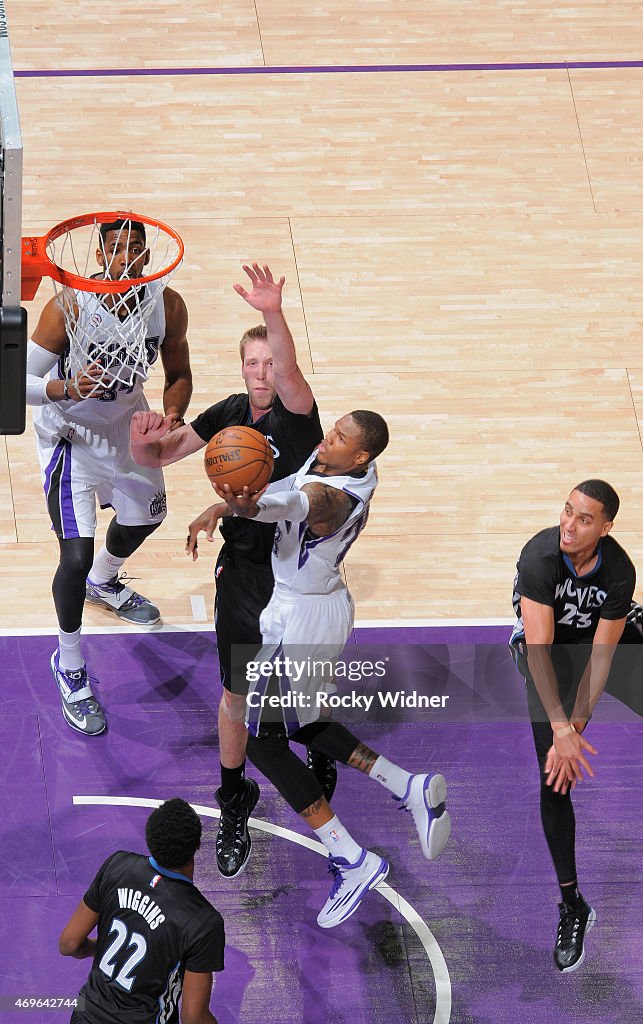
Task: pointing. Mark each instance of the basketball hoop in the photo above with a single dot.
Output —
(106, 315)
(39, 255)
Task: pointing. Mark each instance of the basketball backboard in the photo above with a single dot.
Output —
(13, 319)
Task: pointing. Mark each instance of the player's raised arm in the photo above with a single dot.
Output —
(266, 296)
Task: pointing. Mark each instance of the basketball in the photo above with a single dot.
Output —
(240, 457)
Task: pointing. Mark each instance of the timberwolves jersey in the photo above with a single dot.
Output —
(153, 925)
(98, 322)
(310, 565)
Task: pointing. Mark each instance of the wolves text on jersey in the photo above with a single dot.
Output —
(579, 603)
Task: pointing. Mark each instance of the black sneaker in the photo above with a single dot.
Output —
(325, 771)
(569, 951)
(233, 843)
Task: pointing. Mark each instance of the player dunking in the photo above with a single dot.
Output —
(280, 404)
(82, 436)
(320, 511)
(573, 595)
(159, 939)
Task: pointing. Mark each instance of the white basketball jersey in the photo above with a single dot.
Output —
(96, 321)
(307, 564)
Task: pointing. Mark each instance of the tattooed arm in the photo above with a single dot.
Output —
(323, 508)
(329, 508)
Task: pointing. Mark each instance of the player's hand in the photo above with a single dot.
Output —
(566, 759)
(89, 384)
(243, 504)
(205, 523)
(266, 292)
(560, 777)
(571, 746)
(176, 420)
(149, 427)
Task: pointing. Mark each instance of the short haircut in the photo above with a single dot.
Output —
(124, 226)
(173, 833)
(259, 333)
(374, 431)
(603, 492)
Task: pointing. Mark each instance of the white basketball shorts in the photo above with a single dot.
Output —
(303, 636)
(81, 465)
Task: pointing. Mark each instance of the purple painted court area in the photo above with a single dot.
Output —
(489, 901)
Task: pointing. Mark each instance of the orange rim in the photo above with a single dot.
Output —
(36, 264)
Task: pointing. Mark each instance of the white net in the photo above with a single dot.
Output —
(108, 333)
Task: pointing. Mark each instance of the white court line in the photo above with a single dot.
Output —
(199, 609)
(208, 627)
(418, 924)
(397, 623)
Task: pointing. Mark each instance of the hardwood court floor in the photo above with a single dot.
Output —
(462, 247)
(455, 199)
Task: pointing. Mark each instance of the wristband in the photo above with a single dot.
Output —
(66, 390)
(565, 731)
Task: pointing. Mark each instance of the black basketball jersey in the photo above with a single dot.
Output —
(153, 925)
(546, 575)
(292, 438)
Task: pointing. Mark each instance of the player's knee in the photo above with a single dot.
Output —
(76, 557)
(233, 706)
(122, 541)
(275, 743)
(267, 751)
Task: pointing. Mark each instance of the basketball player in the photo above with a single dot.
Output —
(279, 404)
(320, 511)
(159, 939)
(82, 437)
(573, 595)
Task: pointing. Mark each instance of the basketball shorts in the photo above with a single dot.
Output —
(81, 465)
(243, 589)
(303, 637)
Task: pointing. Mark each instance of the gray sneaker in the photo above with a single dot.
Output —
(119, 598)
(81, 710)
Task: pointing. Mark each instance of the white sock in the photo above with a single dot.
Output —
(390, 775)
(69, 646)
(338, 841)
(105, 566)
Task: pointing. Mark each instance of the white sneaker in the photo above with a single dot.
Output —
(425, 799)
(80, 708)
(128, 605)
(351, 883)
